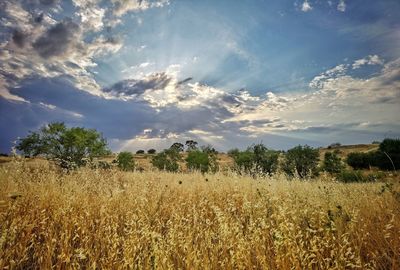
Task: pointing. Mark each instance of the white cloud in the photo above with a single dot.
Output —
(91, 14)
(306, 6)
(123, 6)
(369, 60)
(341, 6)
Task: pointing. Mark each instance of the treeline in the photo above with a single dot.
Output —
(74, 147)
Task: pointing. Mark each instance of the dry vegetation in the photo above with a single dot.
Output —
(98, 219)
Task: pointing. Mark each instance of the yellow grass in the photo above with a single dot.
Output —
(117, 220)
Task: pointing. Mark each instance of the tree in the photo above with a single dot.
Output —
(359, 160)
(151, 151)
(191, 145)
(68, 147)
(177, 147)
(302, 160)
(167, 160)
(266, 161)
(332, 162)
(334, 145)
(125, 161)
(256, 160)
(140, 152)
(388, 156)
(204, 160)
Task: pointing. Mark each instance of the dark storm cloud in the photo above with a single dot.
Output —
(134, 87)
(57, 40)
(39, 18)
(19, 38)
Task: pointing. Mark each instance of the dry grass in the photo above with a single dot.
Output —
(152, 220)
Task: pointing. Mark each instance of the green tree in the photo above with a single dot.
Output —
(191, 145)
(204, 160)
(359, 160)
(302, 160)
(332, 163)
(68, 147)
(256, 160)
(167, 160)
(177, 147)
(125, 161)
(388, 156)
(151, 151)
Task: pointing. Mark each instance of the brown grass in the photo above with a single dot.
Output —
(153, 220)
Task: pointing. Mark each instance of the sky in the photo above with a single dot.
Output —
(148, 73)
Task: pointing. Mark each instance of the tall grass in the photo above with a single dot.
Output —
(97, 219)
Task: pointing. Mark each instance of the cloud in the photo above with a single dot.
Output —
(91, 15)
(19, 38)
(50, 48)
(123, 6)
(58, 40)
(341, 6)
(369, 60)
(305, 7)
(162, 108)
(131, 88)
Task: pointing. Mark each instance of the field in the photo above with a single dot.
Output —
(95, 219)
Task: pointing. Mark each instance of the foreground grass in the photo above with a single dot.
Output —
(116, 220)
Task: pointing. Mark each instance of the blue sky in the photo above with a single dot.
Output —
(229, 73)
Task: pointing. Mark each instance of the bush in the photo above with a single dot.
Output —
(68, 147)
(244, 161)
(302, 160)
(204, 160)
(125, 161)
(167, 160)
(151, 151)
(388, 156)
(358, 160)
(351, 176)
(332, 163)
(257, 159)
(140, 152)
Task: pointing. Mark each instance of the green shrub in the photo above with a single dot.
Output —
(201, 160)
(332, 163)
(351, 176)
(257, 159)
(388, 156)
(359, 160)
(125, 161)
(375, 176)
(167, 160)
(302, 160)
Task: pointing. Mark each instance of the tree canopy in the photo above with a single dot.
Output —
(69, 147)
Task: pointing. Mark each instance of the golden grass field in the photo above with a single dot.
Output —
(96, 219)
